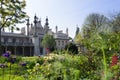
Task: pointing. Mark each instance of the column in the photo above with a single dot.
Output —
(36, 41)
(5, 48)
(23, 50)
(44, 51)
(36, 46)
(15, 50)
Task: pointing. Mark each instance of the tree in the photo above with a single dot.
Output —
(11, 12)
(94, 23)
(94, 27)
(48, 42)
(115, 22)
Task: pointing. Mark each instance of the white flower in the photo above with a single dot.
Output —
(37, 64)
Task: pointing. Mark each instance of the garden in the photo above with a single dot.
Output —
(100, 59)
(59, 66)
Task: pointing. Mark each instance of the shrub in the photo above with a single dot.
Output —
(72, 48)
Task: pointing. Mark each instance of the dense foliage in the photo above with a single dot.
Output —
(11, 12)
(71, 48)
(60, 67)
(101, 37)
(49, 42)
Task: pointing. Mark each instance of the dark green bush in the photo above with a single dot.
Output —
(71, 48)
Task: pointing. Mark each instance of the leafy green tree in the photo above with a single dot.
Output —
(49, 42)
(94, 28)
(94, 23)
(115, 22)
(12, 12)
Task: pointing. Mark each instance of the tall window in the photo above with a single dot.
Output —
(62, 42)
(58, 43)
(30, 40)
(6, 39)
(14, 40)
(2, 39)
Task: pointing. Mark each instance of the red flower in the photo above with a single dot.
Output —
(114, 60)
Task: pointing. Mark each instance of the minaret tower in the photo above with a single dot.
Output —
(46, 21)
(67, 31)
(35, 25)
(28, 26)
(36, 41)
(46, 27)
(56, 28)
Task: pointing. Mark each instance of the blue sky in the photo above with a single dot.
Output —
(69, 13)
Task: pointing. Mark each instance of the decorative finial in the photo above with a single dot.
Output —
(31, 25)
(56, 29)
(35, 22)
(28, 26)
(28, 23)
(46, 21)
(35, 19)
(67, 31)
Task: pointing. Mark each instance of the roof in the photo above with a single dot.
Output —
(12, 34)
(60, 35)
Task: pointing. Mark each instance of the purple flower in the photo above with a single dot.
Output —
(23, 64)
(6, 55)
(12, 59)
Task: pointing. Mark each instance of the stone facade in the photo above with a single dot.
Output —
(30, 44)
(18, 44)
(61, 39)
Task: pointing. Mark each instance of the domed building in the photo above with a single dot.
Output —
(30, 44)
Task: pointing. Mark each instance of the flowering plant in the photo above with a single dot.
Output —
(23, 64)
(114, 60)
(7, 55)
